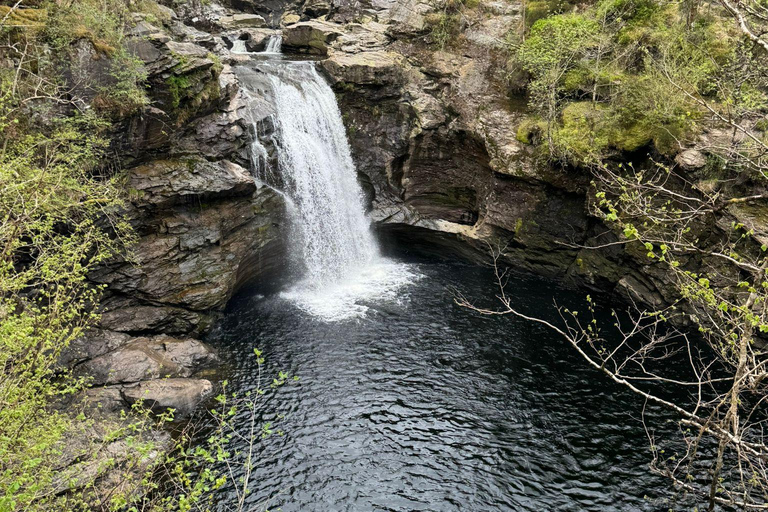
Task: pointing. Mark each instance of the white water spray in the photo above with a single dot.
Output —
(274, 44)
(342, 269)
(238, 46)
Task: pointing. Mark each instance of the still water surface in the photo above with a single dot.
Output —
(421, 405)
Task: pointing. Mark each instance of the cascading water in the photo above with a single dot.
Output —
(273, 46)
(238, 46)
(342, 271)
(275, 43)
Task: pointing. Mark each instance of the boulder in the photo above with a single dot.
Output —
(188, 34)
(147, 358)
(94, 343)
(312, 37)
(365, 68)
(255, 38)
(290, 18)
(691, 159)
(242, 21)
(181, 395)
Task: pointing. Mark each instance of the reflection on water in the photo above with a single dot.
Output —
(421, 405)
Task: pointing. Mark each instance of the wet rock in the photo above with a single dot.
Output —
(204, 228)
(182, 395)
(255, 38)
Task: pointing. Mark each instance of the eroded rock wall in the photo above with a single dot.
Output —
(205, 226)
(433, 134)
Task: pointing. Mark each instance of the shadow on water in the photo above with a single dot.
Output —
(423, 405)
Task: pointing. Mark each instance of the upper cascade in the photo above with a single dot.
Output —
(274, 44)
(335, 253)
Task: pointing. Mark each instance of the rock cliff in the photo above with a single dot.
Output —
(433, 132)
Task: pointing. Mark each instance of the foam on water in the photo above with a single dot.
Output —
(356, 295)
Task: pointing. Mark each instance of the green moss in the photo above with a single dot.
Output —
(176, 87)
(588, 132)
(345, 86)
(209, 93)
(536, 10)
(530, 130)
(443, 27)
(217, 65)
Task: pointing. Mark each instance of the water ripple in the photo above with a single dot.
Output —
(427, 407)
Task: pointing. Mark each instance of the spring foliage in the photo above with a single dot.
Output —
(59, 207)
(60, 217)
(621, 75)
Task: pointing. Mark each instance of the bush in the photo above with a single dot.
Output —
(445, 22)
(624, 73)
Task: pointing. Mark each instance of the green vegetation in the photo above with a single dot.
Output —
(534, 10)
(66, 77)
(446, 21)
(684, 80)
(59, 205)
(623, 74)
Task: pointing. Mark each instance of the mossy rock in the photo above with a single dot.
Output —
(536, 10)
(589, 131)
(24, 18)
(530, 130)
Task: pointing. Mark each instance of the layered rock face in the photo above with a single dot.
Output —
(205, 226)
(433, 133)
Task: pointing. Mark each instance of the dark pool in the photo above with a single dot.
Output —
(425, 406)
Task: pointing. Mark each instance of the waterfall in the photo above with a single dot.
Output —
(275, 43)
(238, 46)
(332, 246)
(273, 46)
